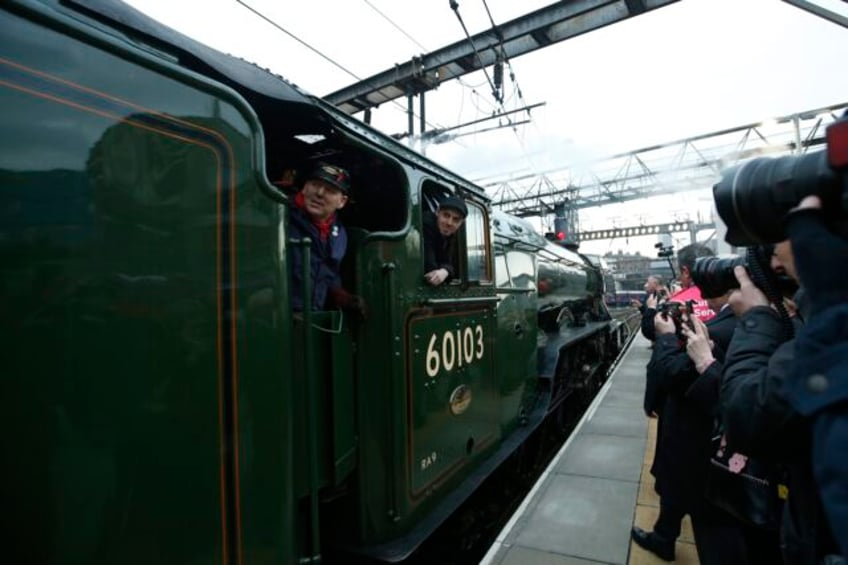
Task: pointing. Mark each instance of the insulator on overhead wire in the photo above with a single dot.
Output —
(498, 74)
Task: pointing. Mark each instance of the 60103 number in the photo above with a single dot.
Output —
(454, 348)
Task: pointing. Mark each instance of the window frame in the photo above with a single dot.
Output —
(432, 192)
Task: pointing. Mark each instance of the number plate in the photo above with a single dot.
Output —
(453, 400)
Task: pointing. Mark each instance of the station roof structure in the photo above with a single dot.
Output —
(562, 20)
(682, 165)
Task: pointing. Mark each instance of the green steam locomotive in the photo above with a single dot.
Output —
(164, 405)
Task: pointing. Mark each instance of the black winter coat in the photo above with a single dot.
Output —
(819, 391)
(439, 250)
(687, 417)
(647, 323)
(325, 260)
(760, 422)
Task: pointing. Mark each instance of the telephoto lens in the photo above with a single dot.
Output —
(714, 275)
(754, 198)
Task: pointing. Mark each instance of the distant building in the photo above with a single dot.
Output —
(626, 263)
(632, 269)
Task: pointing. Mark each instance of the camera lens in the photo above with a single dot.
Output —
(754, 197)
(714, 275)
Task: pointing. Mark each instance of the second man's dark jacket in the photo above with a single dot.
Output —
(439, 251)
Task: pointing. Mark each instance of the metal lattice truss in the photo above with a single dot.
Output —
(633, 231)
(679, 166)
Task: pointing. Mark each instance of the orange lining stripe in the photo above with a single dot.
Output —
(233, 241)
(128, 104)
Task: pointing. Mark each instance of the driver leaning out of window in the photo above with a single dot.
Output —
(439, 234)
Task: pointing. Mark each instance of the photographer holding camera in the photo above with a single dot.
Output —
(655, 294)
(655, 391)
(680, 292)
(653, 286)
(766, 391)
(758, 420)
(684, 435)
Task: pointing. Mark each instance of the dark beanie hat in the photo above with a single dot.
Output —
(456, 203)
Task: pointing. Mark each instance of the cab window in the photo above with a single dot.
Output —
(473, 255)
(477, 245)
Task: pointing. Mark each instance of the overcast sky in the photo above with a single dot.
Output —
(693, 67)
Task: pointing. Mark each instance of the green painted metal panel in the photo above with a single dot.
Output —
(144, 295)
(453, 400)
(516, 357)
(331, 410)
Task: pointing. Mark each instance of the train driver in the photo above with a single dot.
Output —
(313, 215)
(439, 240)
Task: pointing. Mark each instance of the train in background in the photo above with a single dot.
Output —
(624, 298)
(165, 405)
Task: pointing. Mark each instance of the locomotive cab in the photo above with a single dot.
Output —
(416, 378)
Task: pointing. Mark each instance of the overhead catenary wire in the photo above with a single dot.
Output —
(516, 87)
(319, 53)
(396, 26)
(423, 48)
(494, 108)
(498, 97)
(503, 51)
(296, 38)
(512, 77)
(455, 7)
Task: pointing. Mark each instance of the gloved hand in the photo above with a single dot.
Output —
(351, 303)
(357, 306)
(821, 257)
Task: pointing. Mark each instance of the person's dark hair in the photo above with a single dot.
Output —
(686, 255)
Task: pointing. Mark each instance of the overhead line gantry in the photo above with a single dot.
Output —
(541, 28)
(687, 164)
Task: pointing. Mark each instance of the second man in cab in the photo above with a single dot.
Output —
(439, 240)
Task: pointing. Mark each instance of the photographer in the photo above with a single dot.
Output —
(766, 393)
(655, 293)
(685, 261)
(683, 439)
(750, 498)
(758, 419)
(653, 286)
(818, 384)
(686, 257)
(649, 311)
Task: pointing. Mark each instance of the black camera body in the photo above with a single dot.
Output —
(675, 311)
(664, 251)
(754, 198)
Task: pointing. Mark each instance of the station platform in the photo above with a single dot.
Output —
(597, 487)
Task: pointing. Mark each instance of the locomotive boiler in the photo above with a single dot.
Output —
(166, 403)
